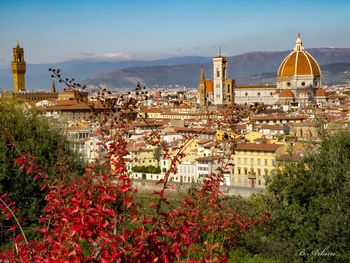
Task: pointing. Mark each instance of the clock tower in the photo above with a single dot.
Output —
(18, 66)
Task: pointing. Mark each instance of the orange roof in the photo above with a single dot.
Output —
(209, 85)
(320, 93)
(287, 93)
(258, 147)
(299, 63)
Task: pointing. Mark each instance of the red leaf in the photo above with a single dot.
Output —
(152, 205)
(13, 227)
(77, 227)
(128, 199)
(9, 216)
(133, 213)
(134, 220)
(165, 259)
(185, 229)
(137, 231)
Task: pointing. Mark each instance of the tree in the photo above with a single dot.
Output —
(309, 205)
(157, 153)
(23, 130)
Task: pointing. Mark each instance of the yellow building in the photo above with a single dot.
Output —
(18, 66)
(252, 162)
(222, 135)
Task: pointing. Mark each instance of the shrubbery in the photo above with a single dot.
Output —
(146, 169)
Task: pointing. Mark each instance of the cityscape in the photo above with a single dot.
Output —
(219, 156)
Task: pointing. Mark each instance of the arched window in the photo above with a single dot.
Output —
(218, 74)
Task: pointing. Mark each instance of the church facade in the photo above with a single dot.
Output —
(298, 84)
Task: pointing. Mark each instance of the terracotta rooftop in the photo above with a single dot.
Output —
(287, 93)
(320, 93)
(258, 147)
(299, 63)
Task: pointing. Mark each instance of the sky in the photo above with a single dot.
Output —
(55, 31)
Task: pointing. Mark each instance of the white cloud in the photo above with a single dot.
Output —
(108, 56)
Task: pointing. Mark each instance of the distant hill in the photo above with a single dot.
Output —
(336, 73)
(38, 77)
(248, 68)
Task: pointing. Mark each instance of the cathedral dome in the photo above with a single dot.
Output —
(299, 63)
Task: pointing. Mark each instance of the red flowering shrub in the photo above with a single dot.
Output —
(99, 219)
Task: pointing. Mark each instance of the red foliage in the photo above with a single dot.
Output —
(99, 219)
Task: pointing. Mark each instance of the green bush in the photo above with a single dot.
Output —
(146, 169)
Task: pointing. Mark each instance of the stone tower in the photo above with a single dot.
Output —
(220, 73)
(230, 94)
(202, 91)
(18, 66)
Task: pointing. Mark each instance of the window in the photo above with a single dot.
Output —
(259, 162)
(303, 84)
(239, 171)
(251, 161)
(288, 84)
(273, 162)
(259, 172)
(265, 153)
(258, 93)
(245, 171)
(266, 162)
(239, 160)
(245, 161)
(259, 182)
(266, 172)
(218, 74)
(246, 94)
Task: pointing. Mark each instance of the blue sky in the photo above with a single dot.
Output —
(54, 31)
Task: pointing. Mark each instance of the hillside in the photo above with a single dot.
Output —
(248, 68)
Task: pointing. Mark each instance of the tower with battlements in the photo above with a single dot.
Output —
(18, 66)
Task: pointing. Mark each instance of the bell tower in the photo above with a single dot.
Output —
(202, 91)
(220, 73)
(18, 66)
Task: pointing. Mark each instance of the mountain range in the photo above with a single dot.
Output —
(248, 69)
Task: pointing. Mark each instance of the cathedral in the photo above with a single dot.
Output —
(299, 84)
